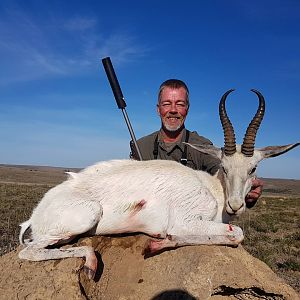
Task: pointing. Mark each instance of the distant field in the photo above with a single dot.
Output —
(33, 174)
(271, 227)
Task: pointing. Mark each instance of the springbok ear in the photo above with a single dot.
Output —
(71, 175)
(207, 149)
(272, 151)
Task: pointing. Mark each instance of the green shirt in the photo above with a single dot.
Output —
(174, 151)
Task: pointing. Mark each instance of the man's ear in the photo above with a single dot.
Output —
(207, 149)
(157, 109)
(272, 151)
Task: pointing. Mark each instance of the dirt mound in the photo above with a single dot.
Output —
(195, 272)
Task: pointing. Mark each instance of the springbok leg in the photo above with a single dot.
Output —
(61, 230)
(206, 233)
(34, 253)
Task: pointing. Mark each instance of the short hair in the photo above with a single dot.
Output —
(175, 84)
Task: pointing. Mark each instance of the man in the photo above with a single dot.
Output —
(167, 143)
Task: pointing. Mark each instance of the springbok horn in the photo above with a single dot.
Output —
(229, 137)
(249, 140)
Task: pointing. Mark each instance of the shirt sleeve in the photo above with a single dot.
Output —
(210, 164)
(203, 161)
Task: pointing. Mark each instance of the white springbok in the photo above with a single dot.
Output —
(164, 199)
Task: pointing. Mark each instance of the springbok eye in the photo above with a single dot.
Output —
(225, 172)
(252, 171)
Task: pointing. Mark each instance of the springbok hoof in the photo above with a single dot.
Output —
(147, 248)
(89, 272)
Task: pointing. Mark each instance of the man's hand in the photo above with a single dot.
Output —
(255, 192)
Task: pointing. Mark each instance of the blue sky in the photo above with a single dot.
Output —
(57, 107)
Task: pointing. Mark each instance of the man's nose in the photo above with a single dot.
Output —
(173, 107)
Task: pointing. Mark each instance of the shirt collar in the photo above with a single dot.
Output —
(178, 144)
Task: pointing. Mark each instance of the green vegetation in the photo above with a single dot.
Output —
(271, 228)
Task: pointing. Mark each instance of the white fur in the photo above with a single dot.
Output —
(160, 198)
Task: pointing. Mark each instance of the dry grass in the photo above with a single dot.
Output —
(271, 227)
(16, 204)
(272, 234)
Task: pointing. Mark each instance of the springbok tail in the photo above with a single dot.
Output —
(24, 226)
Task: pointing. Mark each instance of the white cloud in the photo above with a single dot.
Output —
(121, 48)
(32, 49)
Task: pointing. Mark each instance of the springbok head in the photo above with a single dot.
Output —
(238, 162)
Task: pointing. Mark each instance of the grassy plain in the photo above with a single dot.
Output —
(271, 228)
(272, 234)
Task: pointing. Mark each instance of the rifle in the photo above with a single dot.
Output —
(115, 86)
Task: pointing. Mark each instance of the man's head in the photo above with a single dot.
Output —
(173, 104)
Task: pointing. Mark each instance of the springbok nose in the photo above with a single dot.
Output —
(235, 210)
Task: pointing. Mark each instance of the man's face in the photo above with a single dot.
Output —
(172, 108)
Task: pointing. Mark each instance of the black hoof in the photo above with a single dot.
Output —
(89, 272)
